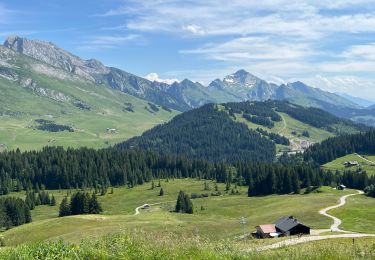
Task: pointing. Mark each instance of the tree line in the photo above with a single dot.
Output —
(13, 212)
(57, 168)
(80, 203)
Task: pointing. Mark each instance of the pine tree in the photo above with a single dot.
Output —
(161, 193)
(64, 208)
(53, 201)
(94, 205)
(152, 185)
(184, 204)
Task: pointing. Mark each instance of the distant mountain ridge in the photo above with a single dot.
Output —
(184, 95)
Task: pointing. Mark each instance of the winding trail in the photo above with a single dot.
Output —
(363, 158)
(336, 221)
(334, 227)
(138, 208)
(284, 126)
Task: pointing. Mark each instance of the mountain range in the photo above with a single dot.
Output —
(49, 60)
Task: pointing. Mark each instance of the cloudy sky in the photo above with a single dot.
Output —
(327, 43)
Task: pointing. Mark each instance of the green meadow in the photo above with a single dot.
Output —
(338, 164)
(20, 107)
(215, 217)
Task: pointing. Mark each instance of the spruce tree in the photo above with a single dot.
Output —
(94, 205)
(184, 204)
(161, 193)
(53, 201)
(64, 208)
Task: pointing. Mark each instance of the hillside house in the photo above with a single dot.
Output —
(285, 226)
(290, 226)
(266, 231)
(341, 187)
(351, 163)
(111, 130)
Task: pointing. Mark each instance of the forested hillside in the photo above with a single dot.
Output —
(336, 147)
(205, 133)
(222, 133)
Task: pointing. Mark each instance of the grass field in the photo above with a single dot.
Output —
(338, 164)
(217, 219)
(358, 214)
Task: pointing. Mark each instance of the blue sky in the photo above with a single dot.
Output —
(328, 44)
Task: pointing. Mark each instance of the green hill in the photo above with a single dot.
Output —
(365, 163)
(32, 90)
(217, 132)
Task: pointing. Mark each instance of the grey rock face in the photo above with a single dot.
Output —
(55, 56)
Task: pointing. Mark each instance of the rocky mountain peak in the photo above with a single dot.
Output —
(241, 78)
(53, 55)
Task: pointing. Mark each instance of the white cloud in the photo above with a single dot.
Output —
(107, 41)
(242, 17)
(155, 77)
(366, 52)
(345, 84)
(194, 29)
(253, 48)
(277, 40)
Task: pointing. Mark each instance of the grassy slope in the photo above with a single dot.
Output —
(106, 112)
(358, 214)
(219, 219)
(288, 126)
(338, 164)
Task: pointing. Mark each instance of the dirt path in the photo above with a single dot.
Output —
(336, 221)
(285, 125)
(335, 227)
(363, 158)
(154, 204)
(295, 241)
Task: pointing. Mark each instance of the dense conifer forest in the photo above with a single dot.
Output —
(13, 212)
(205, 133)
(336, 147)
(211, 132)
(56, 168)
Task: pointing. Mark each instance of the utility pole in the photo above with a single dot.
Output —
(243, 222)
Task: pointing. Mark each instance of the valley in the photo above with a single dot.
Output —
(99, 163)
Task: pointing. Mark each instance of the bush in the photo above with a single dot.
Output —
(2, 241)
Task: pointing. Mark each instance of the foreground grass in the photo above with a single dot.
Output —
(162, 245)
(215, 217)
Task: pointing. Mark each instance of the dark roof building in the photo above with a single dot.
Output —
(290, 226)
(351, 163)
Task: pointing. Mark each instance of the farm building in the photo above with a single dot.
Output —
(351, 164)
(266, 231)
(285, 226)
(341, 187)
(290, 226)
